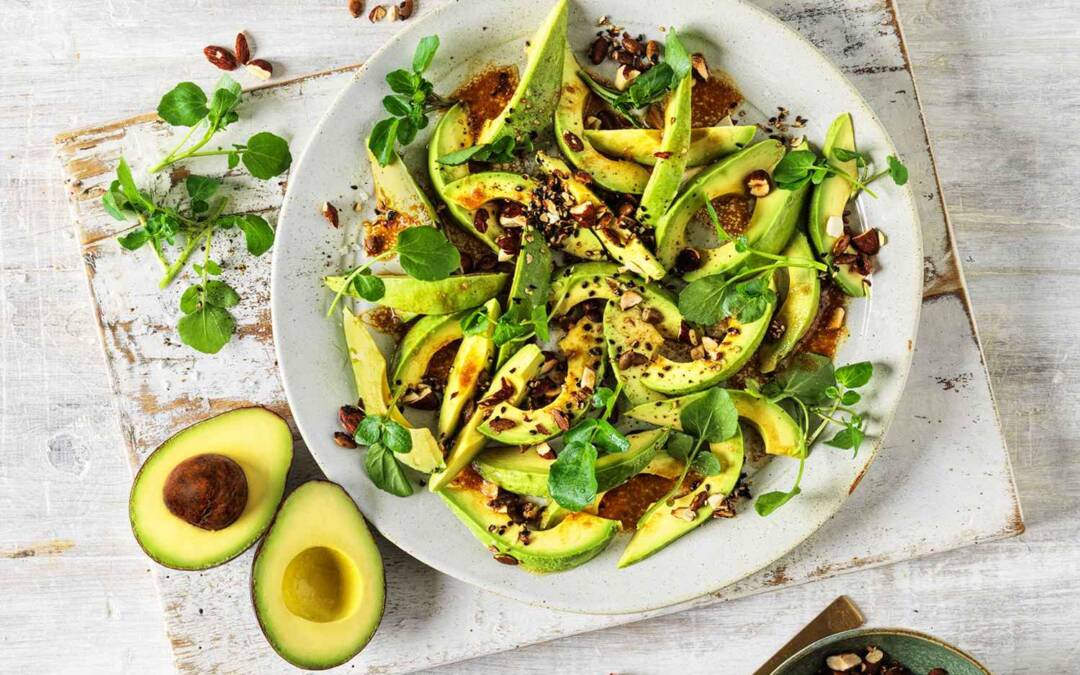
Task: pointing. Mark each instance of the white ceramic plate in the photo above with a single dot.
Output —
(773, 67)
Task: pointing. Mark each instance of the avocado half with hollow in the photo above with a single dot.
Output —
(781, 434)
(661, 526)
(800, 306)
(707, 144)
(317, 581)
(831, 198)
(446, 296)
(522, 471)
(210, 491)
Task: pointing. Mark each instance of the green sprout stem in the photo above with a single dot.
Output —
(352, 275)
(192, 243)
(175, 155)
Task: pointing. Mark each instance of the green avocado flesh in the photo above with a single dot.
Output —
(576, 539)
(451, 134)
(781, 433)
(775, 218)
(447, 296)
(254, 438)
(737, 345)
(395, 190)
(529, 111)
(523, 471)
(515, 373)
(660, 526)
(583, 347)
(617, 175)
(799, 308)
(529, 289)
(707, 144)
(667, 174)
(317, 582)
(831, 198)
(423, 340)
(725, 177)
(472, 361)
(369, 372)
(625, 330)
(584, 281)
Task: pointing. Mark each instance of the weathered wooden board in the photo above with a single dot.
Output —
(946, 441)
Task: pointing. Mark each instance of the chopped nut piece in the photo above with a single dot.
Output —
(630, 359)
(350, 418)
(652, 50)
(758, 183)
(561, 420)
(834, 226)
(544, 450)
(697, 353)
(260, 68)
(356, 8)
(501, 424)
(572, 141)
(868, 242)
(588, 379)
(874, 655)
(651, 315)
(506, 559)
(701, 68)
(404, 10)
(624, 76)
(344, 440)
(377, 13)
(489, 490)
(599, 51)
(843, 662)
(629, 300)
(662, 154)
(584, 214)
(330, 212)
(712, 348)
(684, 513)
(841, 244)
(688, 260)
(506, 390)
(593, 122)
(630, 44)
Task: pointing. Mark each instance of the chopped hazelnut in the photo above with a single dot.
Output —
(843, 662)
(624, 76)
(701, 68)
(629, 300)
(758, 183)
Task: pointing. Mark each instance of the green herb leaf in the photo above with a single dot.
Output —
(850, 398)
(711, 417)
(845, 155)
(701, 301)
(221, 294)
(603, 398)
(748, 301)
(572, 476)
(397, 105)
(368, 286)
(267, 155)
(706, 464)
(850, 437)
(897, 171)
(855, 375)
(507, 330)
(189, 301)
(425, 52)
(385, 472)
(581, 432)
(184, 105)
(608, 438)
(258, 235)
(794, 169)
(648, 87)
(207, 329)
(201, 188)
(680, 445)
(426, 254)
(396, 437)
(477, 322)
(135, 239)
(382, 139)
(370, 429)
(676, 56)
(401, 81)
(462, 156)
(770, 501)
(223, 104)
(807, 377)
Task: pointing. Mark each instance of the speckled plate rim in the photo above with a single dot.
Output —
(875, 632)
(313, 362)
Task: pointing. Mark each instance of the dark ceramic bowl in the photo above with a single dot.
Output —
(918, 651)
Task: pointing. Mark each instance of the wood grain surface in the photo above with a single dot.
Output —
(78, 596)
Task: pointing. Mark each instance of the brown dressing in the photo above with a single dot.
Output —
(824, 336)
(714, 100)
(629, 502)
(487, 93)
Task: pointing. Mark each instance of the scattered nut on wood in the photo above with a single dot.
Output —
(260, 68)
(220, 57)
(243, 51)
(330, 212)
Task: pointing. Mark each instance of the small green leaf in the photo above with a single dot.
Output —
(649, 86)
(807, 377)
(506, 330)
(189, 301)
(680, 445)
(382, 139)
(603, 398)
(222, 105)
(426, 254)
(401, 82)
(701, 301)
(458, 157)
(385, 472)
(184, 105)
(572, 476)
(794, 168)
(396, 437)
(706, 464)
(128, 187)
(581, 432)
(233, 160)
(370, 429)
(368, 286)
(897, 170)
(477, 322)
(676, 56)
(201, 187)
(850, 398)
(267, 155)
(425, 52)
(397, 105)
(845, 155)
(135, 239)
(608, 438)
(115, 203)
(711, 417)
(855, 375)
(770, 501)
(258, 235)
(844, 439)
(406, 130)
(207, 329)
(221, 294)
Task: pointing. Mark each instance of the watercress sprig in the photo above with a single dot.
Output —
(265, 155)
(385, 439)
(501, 151)
(413, 98)
(572, 478)
(207, 324)
(801, 166)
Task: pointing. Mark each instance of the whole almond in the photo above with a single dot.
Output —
(220, 57)
(260, 68)
(405, 9)
(377, 13)
(356, 8)
(243, 51)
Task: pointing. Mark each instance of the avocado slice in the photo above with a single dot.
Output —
(660, 527)
(780, 432)
(739, 342)
(369, 371)
(830, 198)
(667, 174)
(616, 175)
(625, 330)
(725, 177)
(799, 308)
(529, 112)
(774, 220)
(447, 296)
(524, 472)
(317, 582)
(422, 341)
(583, 346)
(475, 190)
(529, 289)
(210, 491)
(472, 360)
(515, 373)
(584, 281)
(451, 134)
(621, 244)
(707, 144)
(395, 190)
(575, 540)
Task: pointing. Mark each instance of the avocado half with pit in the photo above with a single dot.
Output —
(317, 581)
(707, 144)
(522, 471)
(781, 434)
(210, 491)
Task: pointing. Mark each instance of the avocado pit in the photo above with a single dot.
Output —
(208, 491)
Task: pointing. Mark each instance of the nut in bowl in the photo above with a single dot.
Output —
(884, 651)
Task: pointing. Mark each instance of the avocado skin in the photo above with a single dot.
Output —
(277, 453)
(450, 295)
(374, 583)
